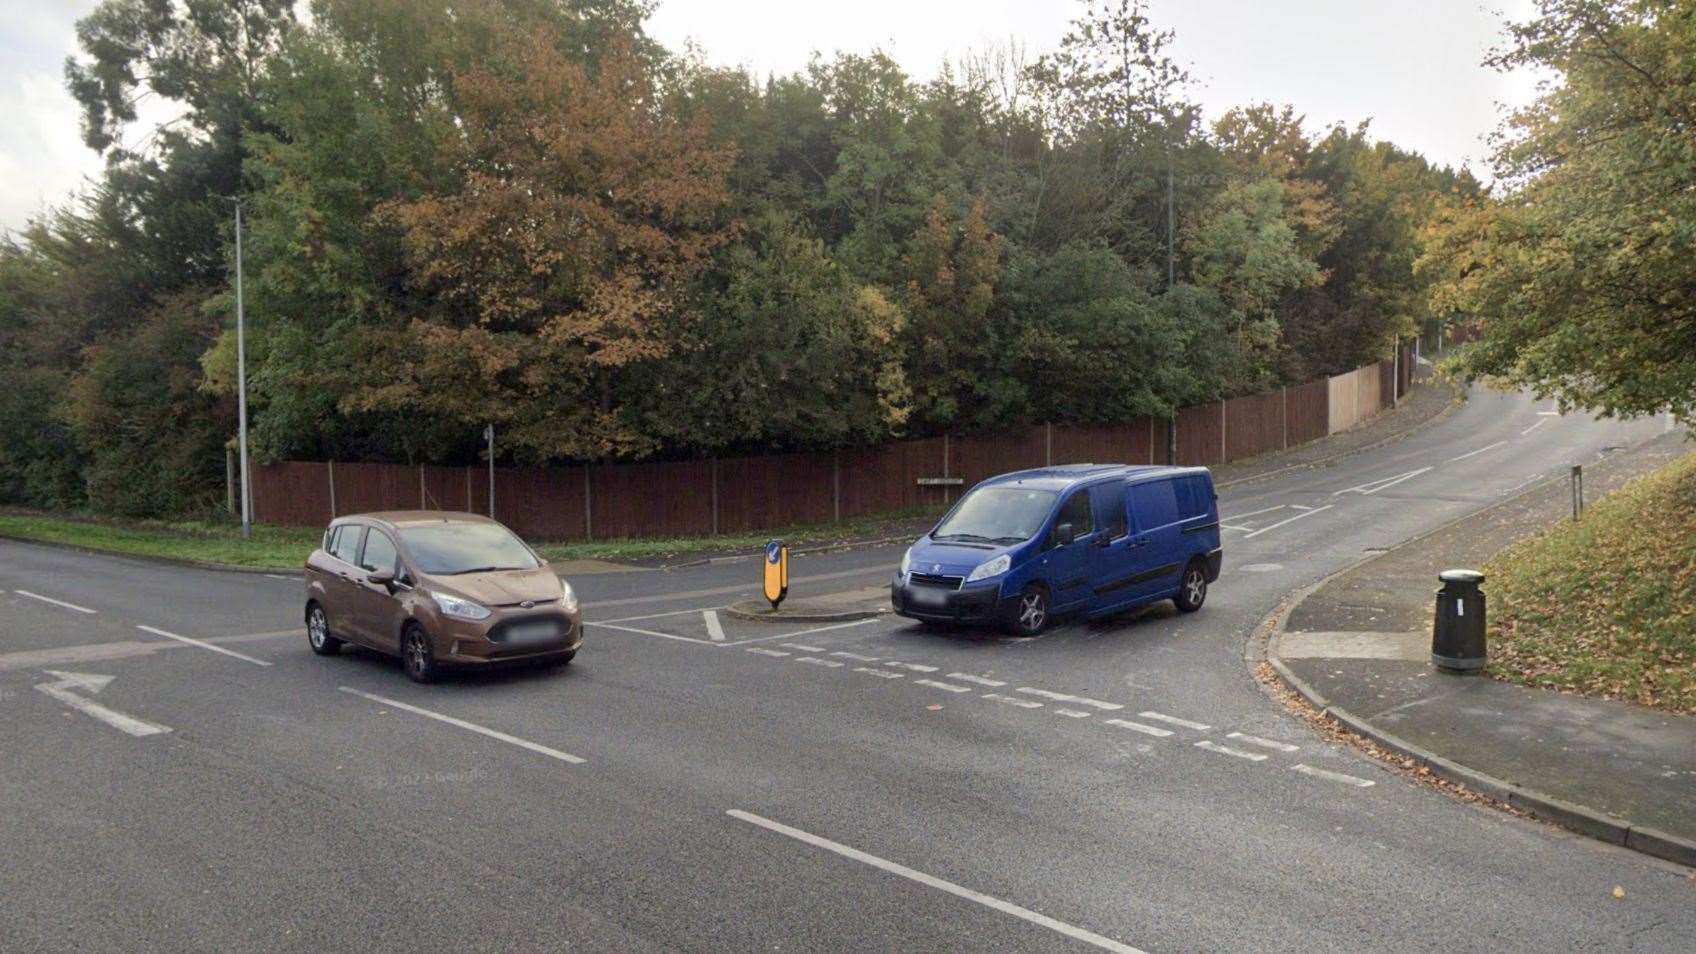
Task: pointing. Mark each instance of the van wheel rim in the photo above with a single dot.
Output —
(1031, 611)
(1195, 587)
(417, 655)
(316, 629)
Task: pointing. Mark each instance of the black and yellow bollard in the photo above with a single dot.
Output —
(777, 572)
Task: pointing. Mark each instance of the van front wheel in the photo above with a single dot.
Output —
(1192, 592)
(1030, 612)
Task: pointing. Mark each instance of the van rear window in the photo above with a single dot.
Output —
(1193, 496)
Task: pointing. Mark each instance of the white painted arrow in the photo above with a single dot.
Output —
(92, 683)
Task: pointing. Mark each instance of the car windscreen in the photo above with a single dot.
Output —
(996, 515)
(447, 548)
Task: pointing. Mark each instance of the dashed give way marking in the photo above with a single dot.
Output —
(1334, 776)
(715, 629)
(468, 726)
(92, 684)
(931, 881)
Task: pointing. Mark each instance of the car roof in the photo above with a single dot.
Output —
(413, 518)
(1068, 475)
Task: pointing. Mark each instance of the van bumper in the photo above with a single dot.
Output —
(1215, 561)
(972, 604)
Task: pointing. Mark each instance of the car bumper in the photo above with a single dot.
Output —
(972, 604)
(493, 648)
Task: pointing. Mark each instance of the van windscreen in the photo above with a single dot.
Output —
(996, 515)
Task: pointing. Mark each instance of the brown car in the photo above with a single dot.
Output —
(437, 589)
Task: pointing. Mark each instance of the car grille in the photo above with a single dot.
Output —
(935, 579)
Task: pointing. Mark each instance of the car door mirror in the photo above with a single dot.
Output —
(1063, 535)
(384, 578)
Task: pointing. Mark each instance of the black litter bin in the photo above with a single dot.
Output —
(1457, 635)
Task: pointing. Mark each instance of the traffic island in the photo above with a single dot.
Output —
(867, 603)
(1358, 648)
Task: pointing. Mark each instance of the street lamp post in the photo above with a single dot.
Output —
(241, 387)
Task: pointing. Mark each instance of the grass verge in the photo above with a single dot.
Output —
(286, 548)
(1606, 606)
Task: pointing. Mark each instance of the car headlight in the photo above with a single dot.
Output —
(569, 600)
(994, 567)
(458, 608)
(906, 561)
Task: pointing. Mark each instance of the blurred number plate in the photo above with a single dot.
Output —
(927, 597)
(532, 632)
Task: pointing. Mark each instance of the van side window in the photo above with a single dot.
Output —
(1155, 503)
(1109, 502)
(1075, 511)
(1194, 497)
(379, 552)
(345, 547)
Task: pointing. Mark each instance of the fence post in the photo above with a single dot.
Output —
(468, 508)
(1286, 394)
(423, 498)
(1223, 453)
(713, 471)
(1151, 440)
(945, 467)
(1172, 439)
(836, 485)
(1048, 450)
(588, 506)
(229, 481)
(330, 466)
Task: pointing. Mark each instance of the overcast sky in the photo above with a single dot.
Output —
(1412, 68)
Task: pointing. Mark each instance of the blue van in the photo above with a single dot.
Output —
(1095, 539)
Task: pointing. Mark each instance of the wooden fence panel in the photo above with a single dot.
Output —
(649, 500)
(1105, 443)
(759, 493)
(1200, 435)
(1309, 411)
(1254, 425)
(985, 455)
(293, 493)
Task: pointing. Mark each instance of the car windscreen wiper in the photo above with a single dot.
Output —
(964, 536)
(481, 569)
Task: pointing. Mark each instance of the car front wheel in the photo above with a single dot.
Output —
(1030, 612)
(1192, 592)
(318, 632)
(416, 656)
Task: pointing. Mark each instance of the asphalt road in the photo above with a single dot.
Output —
(1120, 785)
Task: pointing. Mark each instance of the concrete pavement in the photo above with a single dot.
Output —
(1118, 785)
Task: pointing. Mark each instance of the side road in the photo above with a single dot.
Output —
(1357, 647)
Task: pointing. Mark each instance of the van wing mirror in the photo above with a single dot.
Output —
(1063, 536)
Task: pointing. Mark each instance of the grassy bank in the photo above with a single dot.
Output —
(1607, 606)
(285, 548)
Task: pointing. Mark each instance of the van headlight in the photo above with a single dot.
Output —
(906, 562)
(458, 608)
(994, 567)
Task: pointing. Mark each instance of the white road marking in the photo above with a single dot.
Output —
(468, 726)
(637, 619)
(1299, 507)
(1261, 567)
(1540, 423)
(880, 673)
(1549, 413)
(203, 645)
(980, 680)
(715, 629)
(930, 881)
(1373, 486)
(765, 652)
(1021, 703)
(1139, 727)
(941, 685)
(1075, 700)
(1231, 526)
(916, 667)
(49, 599)
(805, 649)
(804, 632)
(1251, 513)
(1264, 743)
(854, 656)
(820, 662)
(1477, 452)
(279, 576)
(1334, 776)
(1174, 720)
(619, 625)
(1305, 513)
(1072, 713)
(89, 682)
(1226, 750)
(651, 632)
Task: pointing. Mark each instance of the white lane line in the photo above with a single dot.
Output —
(1021, 703)
(880, 673)
(128, 725)
(467, 726)
(1139, 727)
(941, 685)
(49, 599)
(203, 645)
(637, 619)
(715, 629)
(804, 632)
(805, 649)
(1334, 776)
(1264, 743)
(1232, 526)
(1251, 513)
(1075, 700)
(854, 656)
(1540, 423)
(652, 632)
(1373, 486)
(279, 576)
(1226, 750)
(1305, 513)
(833, 664)
(916, 667)
(980, 680)
(1072, 713)
(1477, 452)
(1174, 720)
(765, 652)
(930, 881)
(1548, 414)
(1299, 507)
